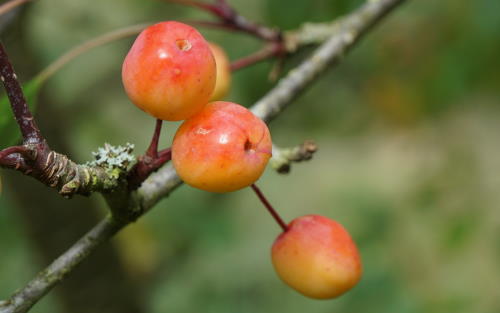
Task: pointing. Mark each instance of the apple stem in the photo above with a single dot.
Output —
(270, 208)
(152, 151)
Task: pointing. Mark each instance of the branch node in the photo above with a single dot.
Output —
(284, 157)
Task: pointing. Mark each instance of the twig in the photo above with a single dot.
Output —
(14, 157)
(352, 28)
(88, 45)
(266, 52)
(283, 158)
(24, 118)
(22, 150)
(10, 5)
(164, 181)
(229, 18)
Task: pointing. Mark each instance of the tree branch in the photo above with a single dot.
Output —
(229, 18)
(29, 129)
(161, 183)
(25, 298)
(351, 29)
(36, 159)
(283, 158)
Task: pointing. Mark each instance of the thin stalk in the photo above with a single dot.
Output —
(88, 45)
(22, 150)
(11, 5)
(270, 208)
(152, 151)
(261, 55)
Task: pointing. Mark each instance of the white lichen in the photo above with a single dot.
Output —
(113, 157)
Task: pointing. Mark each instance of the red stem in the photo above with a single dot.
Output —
(163, 157)
(261, 55)
(24, 118)
(270, 208)
(22, 150)
(230, 19)
(233, 20)
(204, 6)
(212, 24)
(151, 161)
(152, 151)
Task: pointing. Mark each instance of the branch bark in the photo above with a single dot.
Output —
(351, 29)
(25, 298)
(161, 183)
(29, 129)
(284, 157)
(36, 159)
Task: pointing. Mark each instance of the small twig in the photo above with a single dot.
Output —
(284, 157)
(266, 52)
(16, 162)
(204, 6)
(15, 157)
(229, 18)
(29, 130)
(88, 45)
(10, 5)
(270, 208)
(212, 24)
(22, 150)
(352, 28)
(310, 33)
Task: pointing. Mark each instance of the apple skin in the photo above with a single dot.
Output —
(223, 81)
(170, 71)
(222, 148)
(317, 257)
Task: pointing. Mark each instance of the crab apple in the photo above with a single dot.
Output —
(223, 81)
(170, 71)
(222, 148)
(317, 257)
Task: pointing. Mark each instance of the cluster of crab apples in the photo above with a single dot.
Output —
(172, 73)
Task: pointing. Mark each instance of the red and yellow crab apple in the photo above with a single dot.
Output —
(222, 148)
(223, 81)
(170, 71)
(317, 257)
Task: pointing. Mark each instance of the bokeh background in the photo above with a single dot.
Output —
(408, 127)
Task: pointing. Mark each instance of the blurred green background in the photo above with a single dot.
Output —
(409, 161)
